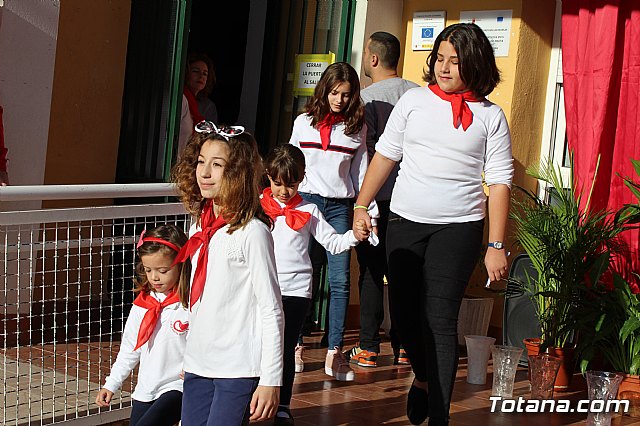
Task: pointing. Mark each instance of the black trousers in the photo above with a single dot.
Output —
(295, 310)
(429, 268)
(372, 261)
(163, 411)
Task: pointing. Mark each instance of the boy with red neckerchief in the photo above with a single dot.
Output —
(296, 221)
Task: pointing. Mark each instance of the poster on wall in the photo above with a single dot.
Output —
(496, 24)
(426, 27)
(308, 70)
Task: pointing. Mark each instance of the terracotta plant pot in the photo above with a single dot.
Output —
(630, 389)
(565, 373)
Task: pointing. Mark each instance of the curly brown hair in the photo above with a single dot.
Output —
(241, 179)
(318, 106)
(174, 235)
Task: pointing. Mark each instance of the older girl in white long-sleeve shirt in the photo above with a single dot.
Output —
(233, 358)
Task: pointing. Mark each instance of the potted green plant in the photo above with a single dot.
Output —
(564, 242)
(608, 315)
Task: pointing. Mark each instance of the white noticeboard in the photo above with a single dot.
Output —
(426, 27)
(496, 24)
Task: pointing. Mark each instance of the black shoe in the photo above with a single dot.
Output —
(417, 405)
(438, 421)
(282, 421)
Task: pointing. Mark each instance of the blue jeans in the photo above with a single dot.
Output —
(338, 212)
(216, 402)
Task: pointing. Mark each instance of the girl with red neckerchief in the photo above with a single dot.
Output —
(331, 134)
(155, 332)
(233, 358)
(450, 140)
(296, 221)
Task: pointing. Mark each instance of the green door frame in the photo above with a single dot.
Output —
(176, 86)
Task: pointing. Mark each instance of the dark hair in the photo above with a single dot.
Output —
(286, 164)
(387, 47)
(211, 69)
(169, 233)
(476, 61)
(318, 106)
(240, 187)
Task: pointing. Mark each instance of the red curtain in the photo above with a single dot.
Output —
(601, 73)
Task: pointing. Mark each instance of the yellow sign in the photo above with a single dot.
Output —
(308, 70)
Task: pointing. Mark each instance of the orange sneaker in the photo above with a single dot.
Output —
(401, 358)
(365, 358)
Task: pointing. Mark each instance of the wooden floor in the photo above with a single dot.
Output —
(378, 396)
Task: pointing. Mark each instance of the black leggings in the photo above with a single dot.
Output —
(163, 411)
(295, 310)
(429, 268)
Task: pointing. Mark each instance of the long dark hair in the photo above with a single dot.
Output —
(318, 106)
(476, 61)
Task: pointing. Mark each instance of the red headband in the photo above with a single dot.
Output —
(143, 240)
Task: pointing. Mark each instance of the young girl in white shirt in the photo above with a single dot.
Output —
(233, 358)
(449, 140)
(155, 332)
(296, 221)
(331, 134)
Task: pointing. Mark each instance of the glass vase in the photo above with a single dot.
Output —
(603, 386)
(505, 364)
(478, 352)
(544, 369)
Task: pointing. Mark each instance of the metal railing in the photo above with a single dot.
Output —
(65, 293)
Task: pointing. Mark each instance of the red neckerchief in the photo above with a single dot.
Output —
(325, 127)
(461, 111)
(209, 224)
(193, 105)
(150, 319)
(296, 219)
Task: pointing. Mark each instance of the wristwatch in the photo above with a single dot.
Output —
(498, 245)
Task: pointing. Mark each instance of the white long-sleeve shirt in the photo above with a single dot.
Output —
(236, 329)
(337, 172)
(440, 178)
(160, 357)
(292, 248)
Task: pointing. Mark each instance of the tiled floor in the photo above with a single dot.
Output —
(378, 396)
(40, 383)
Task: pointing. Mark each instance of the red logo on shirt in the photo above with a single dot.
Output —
(180, 327)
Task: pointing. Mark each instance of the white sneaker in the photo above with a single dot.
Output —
(336, 365)
(298, 359)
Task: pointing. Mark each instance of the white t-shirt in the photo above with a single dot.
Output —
(236, 329)
(292, 248)
(440, 178)
(160, 357)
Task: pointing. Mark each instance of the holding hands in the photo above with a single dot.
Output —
(360, 230)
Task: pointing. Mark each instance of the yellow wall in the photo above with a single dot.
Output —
(88, 84)
(521, 94)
